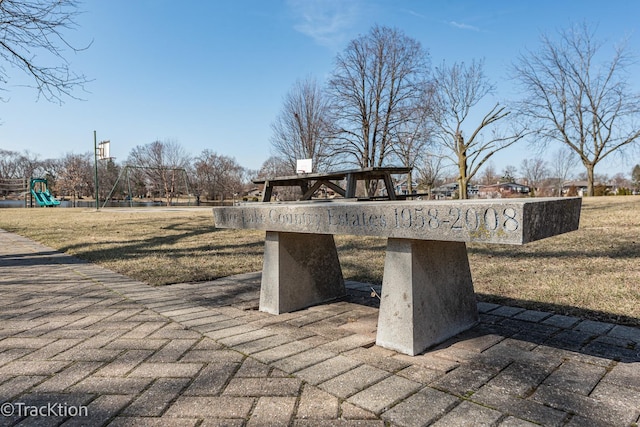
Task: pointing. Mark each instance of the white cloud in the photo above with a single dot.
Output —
(414, 13)
(464, 26)
(326, 21)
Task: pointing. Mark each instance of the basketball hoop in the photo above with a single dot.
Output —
(304, 166)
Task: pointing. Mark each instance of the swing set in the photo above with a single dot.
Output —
(126, 172)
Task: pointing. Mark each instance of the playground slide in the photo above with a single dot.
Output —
(40, 200)
(44, 198)
(52, 200)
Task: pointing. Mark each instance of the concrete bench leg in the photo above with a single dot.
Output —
(299, 270)
(427, 294)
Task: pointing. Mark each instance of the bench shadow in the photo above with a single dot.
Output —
(36, 259)
(556, 326)
(562, 327)
(146, 245)
(113, 250)
(570, 333)
(613, 252)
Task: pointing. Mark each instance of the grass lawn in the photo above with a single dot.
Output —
(593, 272)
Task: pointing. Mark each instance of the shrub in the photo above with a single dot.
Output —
(572, 191)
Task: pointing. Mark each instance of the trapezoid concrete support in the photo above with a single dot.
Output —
(299, 270)
(427, 294)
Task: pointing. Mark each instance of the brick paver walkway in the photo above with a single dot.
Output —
(82, 345)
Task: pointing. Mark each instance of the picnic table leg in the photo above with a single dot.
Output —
(427, 294)
(351, 186)
(388, 184)
(299, 270)
(268, 190)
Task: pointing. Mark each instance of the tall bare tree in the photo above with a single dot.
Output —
(414, 137)
(302, 129)
(33, 37)
(376, 84)
(579, 100)
(163, 164)
(459, 88)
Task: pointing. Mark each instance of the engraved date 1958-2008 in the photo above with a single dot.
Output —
(458, 219)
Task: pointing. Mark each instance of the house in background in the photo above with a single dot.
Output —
(503, 190)
(448, 191)
(580, 188)
(401, 186)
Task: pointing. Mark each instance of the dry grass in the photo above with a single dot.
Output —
(155, 246)
(593, 272)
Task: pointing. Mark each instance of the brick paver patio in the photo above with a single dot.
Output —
(82, 345)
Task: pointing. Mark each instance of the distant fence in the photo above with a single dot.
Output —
(16, 185)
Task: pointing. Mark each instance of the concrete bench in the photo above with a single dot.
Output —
(427, 290)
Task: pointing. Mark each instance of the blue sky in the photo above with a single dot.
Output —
(213, 74)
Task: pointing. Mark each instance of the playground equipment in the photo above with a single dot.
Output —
(41, 194)
(12, 187)
(173, 172)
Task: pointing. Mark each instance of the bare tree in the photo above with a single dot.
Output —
(33, 37)
(535, 171)
(430, 171)
(9, 165)
(302, 129)
(17, 166)
(577, 100)
(273, 166)
(52, 169)
(509, 173)
(489, 176)
(562, 166)
(621, 183)
(75, 176)
(108, 173)
(459, 88)
(217, 176)
(377, 82)
(20, 165)
(163, 164)
(414, 136)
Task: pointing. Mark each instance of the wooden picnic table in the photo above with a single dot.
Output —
(309, 183)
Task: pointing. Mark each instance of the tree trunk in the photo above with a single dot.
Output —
(590, 179)
(462, 184)
(462, 167)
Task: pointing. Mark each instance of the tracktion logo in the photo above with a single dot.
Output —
(21, 409)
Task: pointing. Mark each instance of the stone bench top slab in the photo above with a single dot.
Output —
(506, 221)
